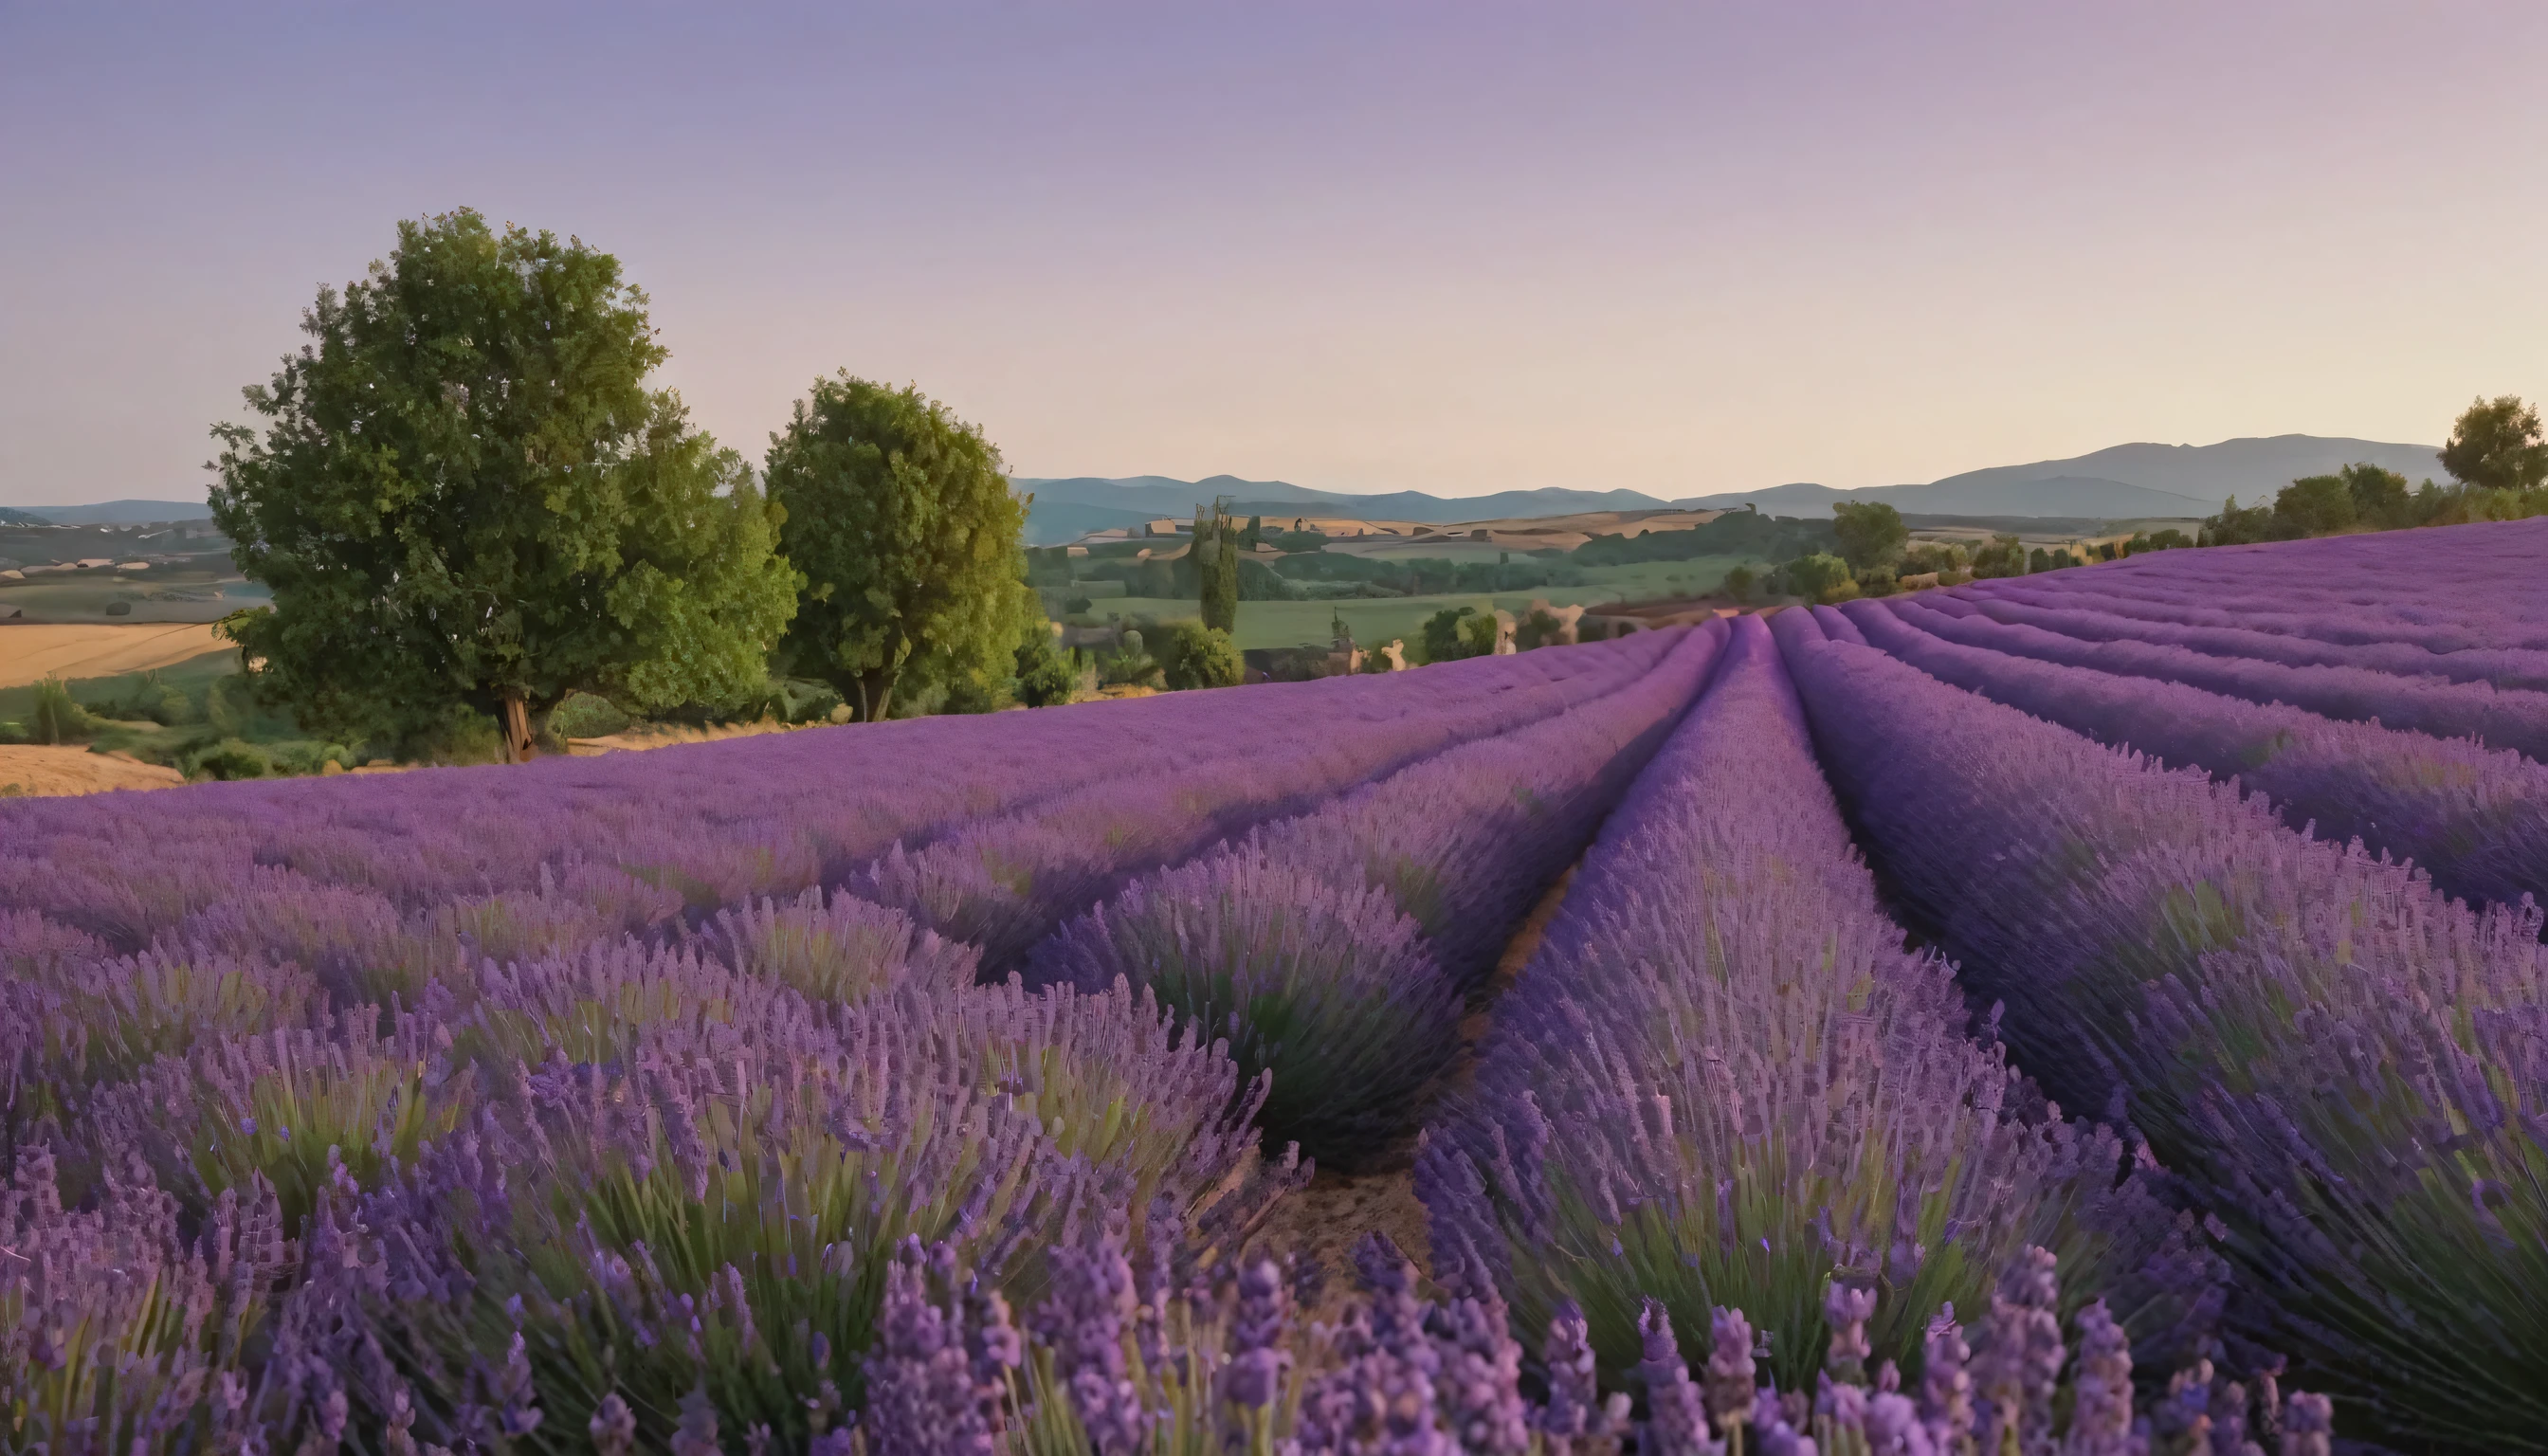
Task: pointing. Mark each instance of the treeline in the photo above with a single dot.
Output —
(2498, 468)
(1312, 575)
(472, 503)
(2496, 459)
(1744, 532)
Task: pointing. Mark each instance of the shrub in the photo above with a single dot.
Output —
(1481, 635)
(587, 716)
(118, 608)
(1330, 989)
(1442, 641)
(1044, 678)
(1740, 582)
(1197, 656)
(2005, 556)
(1810, 576)
(1539, 627)
(841, 950)
(227, 759)
(57, 717)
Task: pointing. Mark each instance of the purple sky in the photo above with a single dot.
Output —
(1359, 246)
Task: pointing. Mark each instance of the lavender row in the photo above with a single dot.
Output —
(1005, 882)
(1723, 1082)
(2104, 620)
(710, 824)
(2450, 589)
(1128, 1357)
(1336, 950)
(2517, 720)
(2476, 819)
(615, 1184)
(2339, 1066)
(2298, 619)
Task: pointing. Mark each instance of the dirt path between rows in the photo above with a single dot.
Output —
(1323, 1220)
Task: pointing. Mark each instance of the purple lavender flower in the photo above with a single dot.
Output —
(1676, 1408)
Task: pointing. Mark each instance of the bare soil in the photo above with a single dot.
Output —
(39, 772)
(1323, 1220)
(33, 652)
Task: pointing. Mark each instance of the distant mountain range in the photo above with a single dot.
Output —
(1068, 508)
(2121, 483)
(105, 513)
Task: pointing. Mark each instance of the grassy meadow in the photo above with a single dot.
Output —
(1266, 624)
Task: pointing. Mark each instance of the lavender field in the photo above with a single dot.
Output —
(2100, 1012)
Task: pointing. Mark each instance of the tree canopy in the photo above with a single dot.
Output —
(1872, 533)
(468, 501)
(2496, 445)
(901, 521)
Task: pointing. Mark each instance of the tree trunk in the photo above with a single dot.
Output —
(516, 726)
(875, 694)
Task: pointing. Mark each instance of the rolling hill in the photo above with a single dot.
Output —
(2120, 482)
(120, 512)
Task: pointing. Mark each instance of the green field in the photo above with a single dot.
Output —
(197, 596)
(1378, 620)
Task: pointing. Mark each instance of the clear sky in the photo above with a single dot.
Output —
(1362, 245)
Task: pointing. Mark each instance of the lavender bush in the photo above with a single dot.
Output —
(2475, 818)
(122, 1331)
(839, 949)
(2339, 1066)
(1119, 1358)
(1329, 989)
(714, 1211)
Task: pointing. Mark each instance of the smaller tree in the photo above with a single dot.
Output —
(1539, 627)
(2379, 496)
(1044, 678)
(2005, 556)
(2314, 506)
(1872, 533)
(1443, 640)
(2237, 525)
(1811, 576)
(1481, 635)
(1740, 582)
(2496, 445)
(901, 520)
(1197, 656)
(1215, 566)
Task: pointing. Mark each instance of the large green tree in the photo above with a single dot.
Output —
(2496, 444)
(902, 523)
(1872, 533)
(468, 501)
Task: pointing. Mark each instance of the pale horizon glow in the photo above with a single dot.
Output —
(1457, 248)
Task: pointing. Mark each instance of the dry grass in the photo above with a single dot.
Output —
(45, 772)
(667, 735)
(31, 653)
